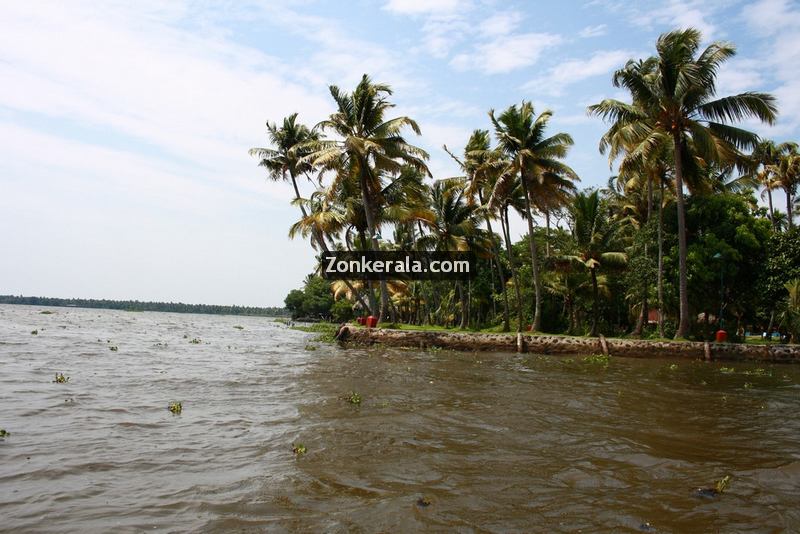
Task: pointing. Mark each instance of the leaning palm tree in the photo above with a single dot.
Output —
(674, 97)
(369, 148)
(595, 235)
(286, 161)
(531, 156)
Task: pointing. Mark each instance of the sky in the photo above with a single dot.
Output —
(125, 126)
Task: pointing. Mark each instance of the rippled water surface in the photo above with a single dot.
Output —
(494, 442)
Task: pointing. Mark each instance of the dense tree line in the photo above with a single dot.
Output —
(135, 305)
(676, 244)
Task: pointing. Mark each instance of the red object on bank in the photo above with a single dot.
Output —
(722, 336)
(360, 320)
(372, 321)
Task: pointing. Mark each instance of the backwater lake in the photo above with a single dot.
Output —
(441, 441)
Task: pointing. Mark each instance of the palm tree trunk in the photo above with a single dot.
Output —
(595, 299)
(789, 207)
(771, 211)
(660, 275)
(683, 292)
(537, 286)
(373, 303)
(500, 274)
(547, 234)
(511, 263)
(464, 308)
(644, 311)
(370, 216)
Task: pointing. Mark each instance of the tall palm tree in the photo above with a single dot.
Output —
(674, 97)
(786, 174)
(763, 159)
(531, 157)
(481, 172)
(454, 227)
(286, 161)
(596, 236)
(369, 148)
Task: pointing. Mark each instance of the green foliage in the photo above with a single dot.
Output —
(175, 407)
(341, 311)
(34, 332)
(294, 302)
(113, 348)
(353, 398)
(601, 359)
(195, 341)
(4, 433)
(299, 449)
(61, 379)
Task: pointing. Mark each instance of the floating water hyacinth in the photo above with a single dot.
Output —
(353, 398)
(34, 332)
(299, 449)
(4, 433)
(61, 379)
(113, 348)
(719, 488)
(175, 407)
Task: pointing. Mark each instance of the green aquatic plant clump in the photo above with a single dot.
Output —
(61, 379)
(113, 348)
(299, 449)
(4, 433)
(175, 407)
(353, 398)
(46, 312)
(34, 332)
(195, 341)
(238, 327)
(602, 359)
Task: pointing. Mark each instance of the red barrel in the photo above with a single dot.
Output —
(361, 320)
(372, 321)
(722, 336)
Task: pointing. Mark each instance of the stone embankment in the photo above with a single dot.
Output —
(544, 344)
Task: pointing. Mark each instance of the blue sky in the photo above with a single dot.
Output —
(125, 127)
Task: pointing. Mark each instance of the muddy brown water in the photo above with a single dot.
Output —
(494, 442)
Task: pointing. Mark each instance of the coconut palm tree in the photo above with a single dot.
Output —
(479, 166)
(674, 96)
(369, 148)
(531, 156)
(286, 161)
(786, 173)
(763, 159)
(595, 235)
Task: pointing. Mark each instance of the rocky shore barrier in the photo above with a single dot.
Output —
(547, 344)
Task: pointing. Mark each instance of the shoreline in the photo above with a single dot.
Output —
(564, 345)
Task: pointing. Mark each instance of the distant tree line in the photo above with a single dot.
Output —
(135, 305)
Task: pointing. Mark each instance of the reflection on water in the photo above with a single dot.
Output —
(494, 442)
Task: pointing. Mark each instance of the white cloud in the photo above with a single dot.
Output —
(506, 53)
(593, 31)
(500, 23)
(575, 70)
(779, 22)
(422, 7)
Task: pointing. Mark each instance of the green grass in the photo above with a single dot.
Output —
(325, 331)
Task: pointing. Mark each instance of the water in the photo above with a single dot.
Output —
(494, 442)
